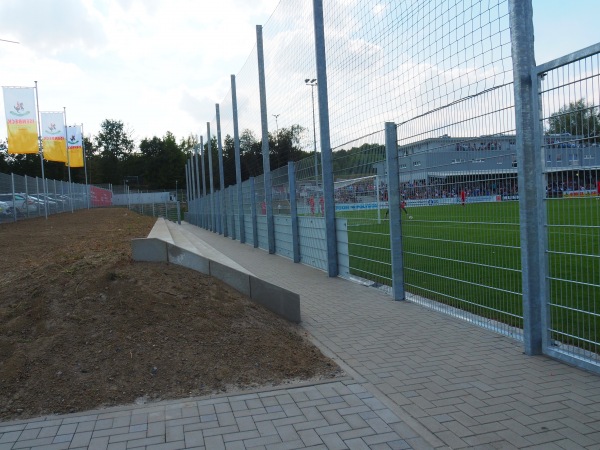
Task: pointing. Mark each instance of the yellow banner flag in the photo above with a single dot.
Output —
(21, 123)
(74, 144)
(53, 136)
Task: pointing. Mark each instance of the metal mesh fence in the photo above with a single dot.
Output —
(459, 182)
(168, 210)
(442, 72)
(569, 104)
(25, 197)
(360, 193)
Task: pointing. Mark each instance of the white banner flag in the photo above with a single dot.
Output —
(75, 145)
(21, 119)
(53, 136)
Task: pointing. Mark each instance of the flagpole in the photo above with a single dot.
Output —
(40, 150)
(68, 156)
(85, 167)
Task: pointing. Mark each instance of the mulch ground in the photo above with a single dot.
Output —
(83, 327)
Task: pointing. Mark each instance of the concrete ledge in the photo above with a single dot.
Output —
(160, 246)
(238, 280)
(186, 258)
(281, 301)
(160, 230)
(149, 249)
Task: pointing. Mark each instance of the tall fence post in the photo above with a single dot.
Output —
(391, 154)
(326, 158)
(187, 196)
(265, 140)
(219, 225)
(232, 212)
(221, 173)
(532, 212)
(238, 164)
(293, 211)
(213, 222)
(196, 171)
(193, 177)
(178, 212)
(254, 218)
(14, 201)
(37, 188)
(204, 207)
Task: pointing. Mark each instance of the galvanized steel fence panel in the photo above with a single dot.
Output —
(443, 73)
(311, 235)
(569, 139)
(283, 236)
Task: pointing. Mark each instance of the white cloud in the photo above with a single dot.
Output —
(161, 65)
(50, 27)
(156, 65)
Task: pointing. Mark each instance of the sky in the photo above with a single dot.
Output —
(161, 65)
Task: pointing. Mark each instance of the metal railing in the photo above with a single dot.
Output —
(24, 197)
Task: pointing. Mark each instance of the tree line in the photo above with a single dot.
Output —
(158, 163)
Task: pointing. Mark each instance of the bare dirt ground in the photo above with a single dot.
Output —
(84, 327)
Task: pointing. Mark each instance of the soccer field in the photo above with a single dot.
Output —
(470, 258)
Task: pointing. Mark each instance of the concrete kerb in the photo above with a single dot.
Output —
(162, 248)
(281, 301)
(232, 277)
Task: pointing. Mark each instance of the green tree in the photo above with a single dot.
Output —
(577, 118)
(113, 139)
(358, 161)
(114, 145)
(163, 162)
(250, 155)
(4, 166)
(286, 146)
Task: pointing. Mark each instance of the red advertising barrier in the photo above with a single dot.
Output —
(100, 197)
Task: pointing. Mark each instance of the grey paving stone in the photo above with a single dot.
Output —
(62, 438)
(144, 442)
(48, 431)
(264, 440)
(174, 433)
(356, 444)
(194, 439)
(127, 437)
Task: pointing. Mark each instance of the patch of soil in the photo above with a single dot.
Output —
(84, 327)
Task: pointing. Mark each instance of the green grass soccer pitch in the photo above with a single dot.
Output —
(470, 258)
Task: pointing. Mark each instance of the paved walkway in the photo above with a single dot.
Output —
(416, 379)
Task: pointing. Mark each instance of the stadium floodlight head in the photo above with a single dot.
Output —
(311, 82)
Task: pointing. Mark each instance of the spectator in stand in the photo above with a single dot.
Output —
(311, 202)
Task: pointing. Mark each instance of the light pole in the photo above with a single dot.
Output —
(312, 83)
(277, 125)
